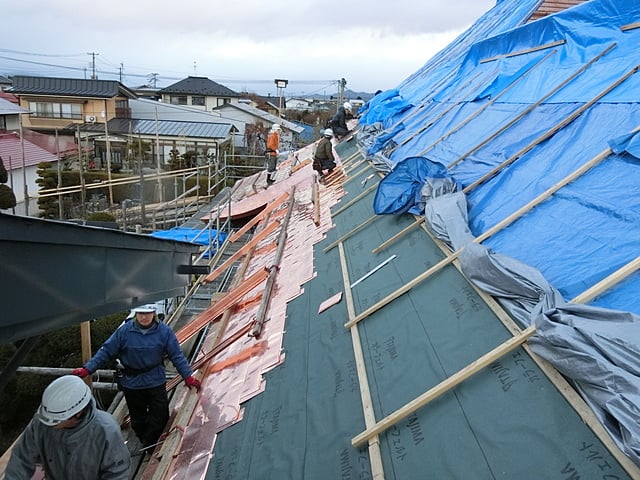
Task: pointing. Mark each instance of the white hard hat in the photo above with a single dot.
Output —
(347, 106)
(149, 308)
(62, 399)
(275, 127)
(328, 132)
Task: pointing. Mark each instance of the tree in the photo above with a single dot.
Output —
(47, 178)
(7, 197)
(255, 135)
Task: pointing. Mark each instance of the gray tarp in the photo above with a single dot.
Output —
(597, 349)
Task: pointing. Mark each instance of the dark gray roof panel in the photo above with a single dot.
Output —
(200, 86)
(69, 87)
(57, 274)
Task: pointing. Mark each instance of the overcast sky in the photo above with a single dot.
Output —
(243, 44)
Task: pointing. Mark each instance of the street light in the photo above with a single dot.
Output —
(280, 85)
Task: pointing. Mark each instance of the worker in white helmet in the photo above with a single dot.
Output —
(141, 345)
(273, 150)
(339, 121)
(323, 158)
(70, 438)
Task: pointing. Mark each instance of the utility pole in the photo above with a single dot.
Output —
(153, 78)
(93, 65)
(342, 83)
(121, 69)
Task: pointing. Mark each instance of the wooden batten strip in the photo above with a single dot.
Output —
(254, 221)
(248, 246)
(525, 51)
(531, 107)
(630, 26)
(218, 308)
(375, 458)
(445, 110)
(356, 199)
(493, 100)
(552, 131)
(351, 233)
(398, 235)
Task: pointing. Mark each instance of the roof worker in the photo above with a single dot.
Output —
(273, 145)
(323, 158)
(339, 121)
(70, 438)
(141, 344)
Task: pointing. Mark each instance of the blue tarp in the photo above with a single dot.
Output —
(204, 237)
(537, 124)
(517, 148)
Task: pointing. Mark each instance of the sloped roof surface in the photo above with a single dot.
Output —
(538, 126)
(534, 123)
(70, 87)
(11, 151)
(10, 108)
(256, 112)
(164, 128)
(199, 86)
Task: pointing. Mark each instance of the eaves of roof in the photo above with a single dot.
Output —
(163, 128)
(69, 87)
(9, 108)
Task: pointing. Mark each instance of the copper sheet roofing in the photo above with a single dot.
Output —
(237, 373)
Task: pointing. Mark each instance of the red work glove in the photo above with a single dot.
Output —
(81, 372)
(192, 382)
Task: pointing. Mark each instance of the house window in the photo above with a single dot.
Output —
(197, 100)
(56, 110)
(178, 100)
(223, 101)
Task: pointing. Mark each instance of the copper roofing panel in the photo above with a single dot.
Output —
(236, 375)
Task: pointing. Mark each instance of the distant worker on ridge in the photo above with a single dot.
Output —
(339, 121)
(273, 146)
(70, 438)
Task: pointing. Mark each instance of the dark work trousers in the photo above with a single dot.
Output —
(149, 412)
(271, 167)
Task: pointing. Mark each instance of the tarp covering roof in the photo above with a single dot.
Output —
(537, 124)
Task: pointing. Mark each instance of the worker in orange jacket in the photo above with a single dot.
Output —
(273, 145)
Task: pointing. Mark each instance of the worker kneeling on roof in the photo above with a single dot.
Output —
(141, 345)
(70, 438)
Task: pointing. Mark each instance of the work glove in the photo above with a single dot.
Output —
(81, 372)
(192, 382)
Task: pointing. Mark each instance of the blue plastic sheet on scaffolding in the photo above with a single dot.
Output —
(191, 235)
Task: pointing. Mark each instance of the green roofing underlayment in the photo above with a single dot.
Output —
(508, 421)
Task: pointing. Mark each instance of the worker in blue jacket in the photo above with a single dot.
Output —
(141, 345)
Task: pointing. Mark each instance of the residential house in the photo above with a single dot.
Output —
(246, 114)
(22, 150)
(299, 104)
(4, 83)
(198, 92)
(60, 104)
(163, 138)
